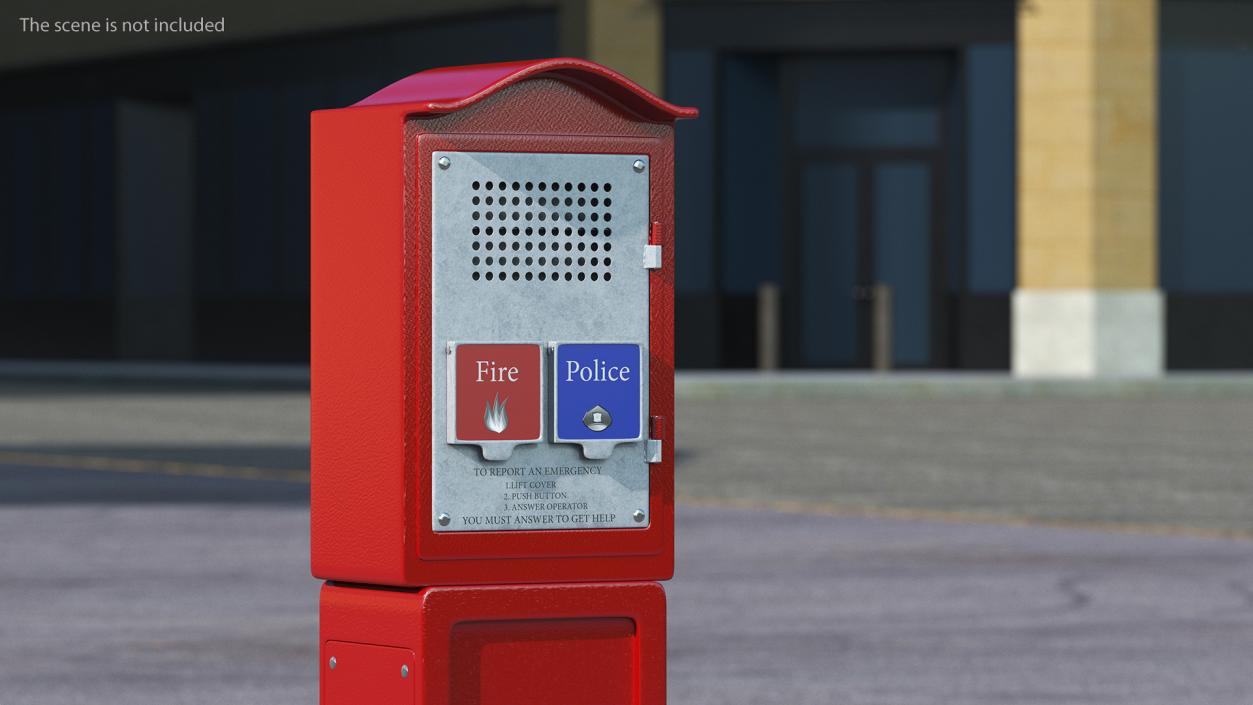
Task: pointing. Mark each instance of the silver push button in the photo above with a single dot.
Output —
(597, 418)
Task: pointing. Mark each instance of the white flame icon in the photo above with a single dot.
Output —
(494, 415)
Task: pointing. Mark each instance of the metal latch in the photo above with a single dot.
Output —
(652, 454)
(652, 251)
(652, 449)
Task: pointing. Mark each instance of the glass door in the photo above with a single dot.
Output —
(865, 261)
(867, 230)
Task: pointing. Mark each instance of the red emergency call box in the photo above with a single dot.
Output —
(492, 329)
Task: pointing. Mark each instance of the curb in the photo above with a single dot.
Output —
(691, 385)
(156, 374)
(699, 386)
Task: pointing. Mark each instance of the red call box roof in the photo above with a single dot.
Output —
(446, 90)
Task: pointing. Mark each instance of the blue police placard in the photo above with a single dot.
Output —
(597, 393)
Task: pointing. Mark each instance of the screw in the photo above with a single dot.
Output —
(638, 166)
(638, 515)
(332, 664)
(444, 163)
(404, 671)
(444, 519)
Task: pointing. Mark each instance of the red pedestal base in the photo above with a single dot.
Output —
(563, 644)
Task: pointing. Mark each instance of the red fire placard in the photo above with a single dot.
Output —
(497, 391)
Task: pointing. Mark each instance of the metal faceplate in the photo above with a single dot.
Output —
(536, 248)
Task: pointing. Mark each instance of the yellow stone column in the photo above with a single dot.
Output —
(1087, 302)
(625, 35)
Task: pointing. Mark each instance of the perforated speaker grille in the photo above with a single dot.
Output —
(550, 231)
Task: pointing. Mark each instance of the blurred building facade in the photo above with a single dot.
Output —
(1056, 186)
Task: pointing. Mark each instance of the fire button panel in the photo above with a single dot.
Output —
(495, 392)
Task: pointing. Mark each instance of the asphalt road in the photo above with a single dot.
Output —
(180, 604)
(154, 550)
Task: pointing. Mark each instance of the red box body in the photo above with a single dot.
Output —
(572, 644)
(371, 320)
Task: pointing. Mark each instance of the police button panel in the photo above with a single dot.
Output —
(597, 379)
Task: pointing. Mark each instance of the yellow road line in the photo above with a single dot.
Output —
(151, 467)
